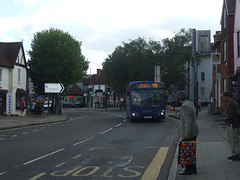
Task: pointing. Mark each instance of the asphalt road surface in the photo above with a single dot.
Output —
(92, 145)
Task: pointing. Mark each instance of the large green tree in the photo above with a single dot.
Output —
(55, 57)
(136, 60)
(130, 62)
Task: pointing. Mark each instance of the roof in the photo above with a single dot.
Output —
(95, 79)
(9, 53)
(75, 90)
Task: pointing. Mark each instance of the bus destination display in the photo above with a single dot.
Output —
(149, 85)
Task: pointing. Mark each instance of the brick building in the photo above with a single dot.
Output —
(223, 44)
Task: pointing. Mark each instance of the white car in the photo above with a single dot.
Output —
(46, 104)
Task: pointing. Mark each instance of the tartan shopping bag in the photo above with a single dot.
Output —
(187, 152)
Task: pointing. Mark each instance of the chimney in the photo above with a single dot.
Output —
(99, 72)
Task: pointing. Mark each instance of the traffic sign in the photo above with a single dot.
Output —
(53, 88)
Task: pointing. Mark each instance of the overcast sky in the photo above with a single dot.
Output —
(102, 25)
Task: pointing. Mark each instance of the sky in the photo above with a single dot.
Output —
(102, 25)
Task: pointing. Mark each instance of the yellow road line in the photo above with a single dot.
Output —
(37, 176)
(154, 168)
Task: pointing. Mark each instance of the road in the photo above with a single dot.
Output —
(92, 145)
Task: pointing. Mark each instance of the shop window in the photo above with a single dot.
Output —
(20, 93)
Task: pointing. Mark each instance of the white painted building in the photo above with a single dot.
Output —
(204, 67)
(13, 77)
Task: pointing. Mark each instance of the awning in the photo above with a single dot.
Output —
(21, 91)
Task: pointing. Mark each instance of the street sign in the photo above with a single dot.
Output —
(53, 88)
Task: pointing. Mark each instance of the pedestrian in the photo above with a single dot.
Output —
(232, 125)
(188, 126)
(33, 106)
(199, 104)
(22, 106)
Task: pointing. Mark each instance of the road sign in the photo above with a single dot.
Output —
(53, 88)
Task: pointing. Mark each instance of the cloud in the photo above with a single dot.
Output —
(103, 25)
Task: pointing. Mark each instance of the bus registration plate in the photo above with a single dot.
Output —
(147, 117)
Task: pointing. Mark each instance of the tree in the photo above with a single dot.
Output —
(55, 57)
(135, 61)
(173, 56)
(131, 62)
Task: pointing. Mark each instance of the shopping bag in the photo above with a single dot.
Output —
(187, 152)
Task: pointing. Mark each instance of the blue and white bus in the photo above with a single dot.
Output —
(146, 100)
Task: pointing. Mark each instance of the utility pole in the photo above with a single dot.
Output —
(195, 70)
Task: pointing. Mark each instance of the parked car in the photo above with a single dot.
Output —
(78, 105)
(46, 104)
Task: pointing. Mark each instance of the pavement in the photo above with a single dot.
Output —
(212, 152)
(11, 122)
(212, 146)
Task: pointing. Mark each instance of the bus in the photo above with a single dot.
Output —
(146, 100)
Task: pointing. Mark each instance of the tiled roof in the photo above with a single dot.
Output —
(95, 79)
(75, 90)
(9, 53)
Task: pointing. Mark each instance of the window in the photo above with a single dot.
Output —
(202, 76)
(224, 52)
(225, 18)
(202, 92)
(0, 75)
(224, 84)
(19, 75)
(238, 43)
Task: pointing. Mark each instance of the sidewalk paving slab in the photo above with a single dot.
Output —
(212, 152)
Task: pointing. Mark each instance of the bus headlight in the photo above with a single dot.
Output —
(133, 114)
(162, 113)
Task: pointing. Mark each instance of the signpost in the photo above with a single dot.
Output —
(53, 88)
(57, 88)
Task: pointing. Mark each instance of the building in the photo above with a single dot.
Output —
(95, 89)
(13, 77)
(75, 94)
(204, 67)
(223, 44)
(236, 36)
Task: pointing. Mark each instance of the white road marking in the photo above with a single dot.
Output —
(43, 157)
(106, 131)
(118, 125)
(83, 141)
(2, 173)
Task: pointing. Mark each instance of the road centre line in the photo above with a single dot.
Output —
(42, 157)
(83, 141)
(77, 156)
(106, 131)
(61, 164)
(118, 125)
(2, 173)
